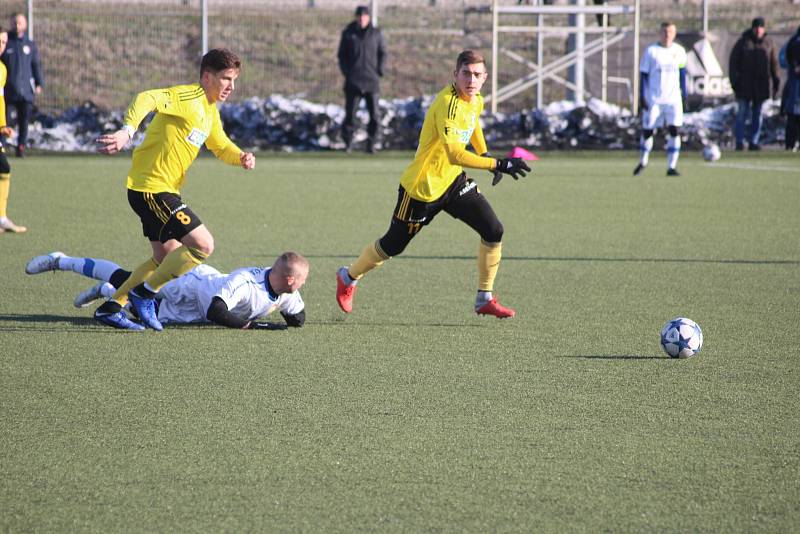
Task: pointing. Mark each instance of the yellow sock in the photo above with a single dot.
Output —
(372, 256)
(138, 276)
(179, 261)
(5, 184)
(488, 263)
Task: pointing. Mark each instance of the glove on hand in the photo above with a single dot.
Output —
(515, 167)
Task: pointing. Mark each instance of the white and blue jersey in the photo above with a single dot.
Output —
(187, 298)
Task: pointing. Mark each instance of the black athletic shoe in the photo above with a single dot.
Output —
(673, 172)
(639, 168)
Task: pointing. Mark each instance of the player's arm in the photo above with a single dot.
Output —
(225, 149)
(218, 313)
(145, 102)
(644, 79)
(293, 310)
(477, 141)
(684, 94)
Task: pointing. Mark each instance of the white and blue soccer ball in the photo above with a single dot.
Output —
(711, 152)
(681, 338)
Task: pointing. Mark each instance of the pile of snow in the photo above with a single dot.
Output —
(294, 124)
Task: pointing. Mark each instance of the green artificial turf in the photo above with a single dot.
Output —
(413, 414)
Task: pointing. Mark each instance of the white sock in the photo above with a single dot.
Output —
(645, 145)
(89, 267)
(482, 298)
(107, 290)
(673, 151)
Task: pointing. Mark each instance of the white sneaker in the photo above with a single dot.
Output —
(40, 264)
(97, 291)
(7, 225)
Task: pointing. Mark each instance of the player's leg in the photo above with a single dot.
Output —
(673, 150)
(649, 120)
(196, 246)
(351, 100)
(96, 268)
(155, 214)
(468, 204)
(6, 224)
(409, 217)
(372, 100)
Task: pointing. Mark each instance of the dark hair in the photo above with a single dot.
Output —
(667, 24)
(758, 22)
(469, 57)
(362, 10)
(219, 59)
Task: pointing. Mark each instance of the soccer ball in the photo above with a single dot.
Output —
(681, 338)
(711, 152)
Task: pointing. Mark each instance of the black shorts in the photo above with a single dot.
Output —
(462, 200)
(418, 213)
(164, 216)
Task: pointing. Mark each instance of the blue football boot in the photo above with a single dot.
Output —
(145, 309)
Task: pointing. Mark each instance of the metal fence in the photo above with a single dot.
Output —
(105, 51)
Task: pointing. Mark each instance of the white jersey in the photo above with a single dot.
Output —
(662, 65)
(187, 298)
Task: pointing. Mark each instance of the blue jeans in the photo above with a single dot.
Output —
(752, 108)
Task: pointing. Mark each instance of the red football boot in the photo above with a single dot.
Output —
(344, 292)
(495, 308)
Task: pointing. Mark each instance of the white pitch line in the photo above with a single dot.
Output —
(747, 166)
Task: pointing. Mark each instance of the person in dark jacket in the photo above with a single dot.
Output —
(753, 72)
(790, 104)
(25, 79)
(362, 55)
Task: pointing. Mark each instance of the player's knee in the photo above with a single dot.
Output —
(205, 245)
(647, 134)
(394, 242)
(493, 233)
(673, 131)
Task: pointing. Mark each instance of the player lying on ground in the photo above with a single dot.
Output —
(203, 294)
(435, 181)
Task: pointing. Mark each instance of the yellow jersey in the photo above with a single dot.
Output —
(184, 121)
(3, 76)
(450, 123)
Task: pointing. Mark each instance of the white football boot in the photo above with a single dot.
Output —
(41, 264)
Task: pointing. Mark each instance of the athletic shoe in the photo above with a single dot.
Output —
(7, 225)
(755, 147)
(639, 168)
(117, 320)
(495, 308)
(146, 310)
(40, 264)
(344, 292)
(673, 172)
(90, 295)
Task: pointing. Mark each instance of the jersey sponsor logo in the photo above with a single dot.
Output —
(197, 137)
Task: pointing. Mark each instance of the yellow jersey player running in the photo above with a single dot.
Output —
(435, 182)
(6, 224)
(186, 117)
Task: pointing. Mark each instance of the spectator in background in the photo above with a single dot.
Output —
(753, 72)
(25, 79)
(362, 55)
(790, 103)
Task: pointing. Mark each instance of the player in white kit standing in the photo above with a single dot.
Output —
(663, 92)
